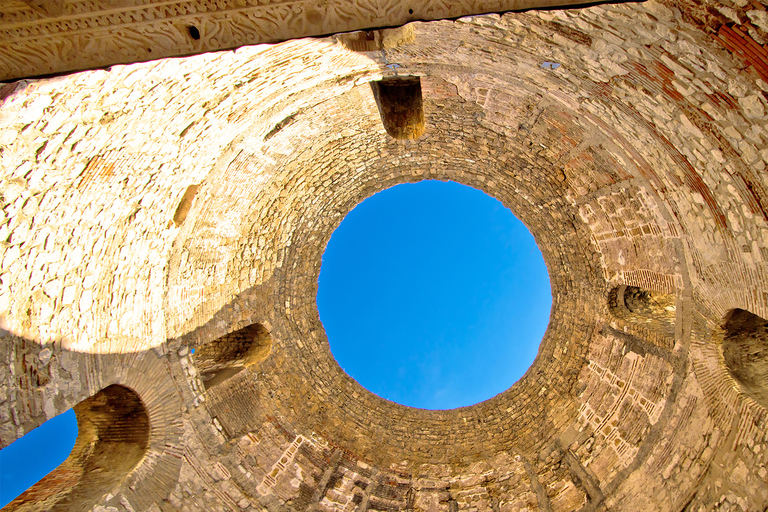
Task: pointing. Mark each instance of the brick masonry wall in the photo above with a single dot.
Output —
(638, 161)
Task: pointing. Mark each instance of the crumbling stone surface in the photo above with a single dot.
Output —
(638, 163)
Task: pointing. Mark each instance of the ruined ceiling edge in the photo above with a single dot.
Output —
(40, 41)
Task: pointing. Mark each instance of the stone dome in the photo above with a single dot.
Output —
(164, 222)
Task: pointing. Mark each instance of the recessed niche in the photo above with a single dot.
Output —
(194, 33)
(433, 295)
(652, 310)
(228, 355)
(745, 349)
(185, 204)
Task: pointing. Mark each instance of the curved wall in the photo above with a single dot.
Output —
(638, 162)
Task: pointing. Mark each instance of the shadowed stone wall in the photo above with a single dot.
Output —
(113, 434)
(637, 164)
(745, 348)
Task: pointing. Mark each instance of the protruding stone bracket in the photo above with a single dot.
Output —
(376, 40)
(400, 106)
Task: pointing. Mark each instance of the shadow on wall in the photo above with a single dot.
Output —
(228, 355)
(128, 435)
(745, 350)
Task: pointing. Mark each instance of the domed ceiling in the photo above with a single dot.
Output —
(164, 222)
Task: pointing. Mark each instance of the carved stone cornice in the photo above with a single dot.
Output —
(39, 37)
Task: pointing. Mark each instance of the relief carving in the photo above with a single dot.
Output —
(40, 38)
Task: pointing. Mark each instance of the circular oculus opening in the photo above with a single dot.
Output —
(433, 295)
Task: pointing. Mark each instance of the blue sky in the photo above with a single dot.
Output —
(433, 295)
(30, 458)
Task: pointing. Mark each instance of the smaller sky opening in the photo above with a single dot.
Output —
(27, 460)
(433, 295)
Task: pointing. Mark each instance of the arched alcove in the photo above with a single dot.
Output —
(745, 349)
(228, 355)
(113, 436)
(650, 309)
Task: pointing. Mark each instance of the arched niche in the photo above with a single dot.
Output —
(745, 350)
(650, 309)
(113, 436)
(224, 357)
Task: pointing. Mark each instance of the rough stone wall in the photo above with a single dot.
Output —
(638, 161)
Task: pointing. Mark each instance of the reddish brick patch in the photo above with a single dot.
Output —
(738, 41)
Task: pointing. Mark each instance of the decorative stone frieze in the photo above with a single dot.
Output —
(38, 37)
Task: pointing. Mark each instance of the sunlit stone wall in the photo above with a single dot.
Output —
(638, 161)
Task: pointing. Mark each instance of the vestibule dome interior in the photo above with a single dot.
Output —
(154, 208)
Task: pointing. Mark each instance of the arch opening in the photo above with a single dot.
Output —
(433, 295)
(113, 437)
